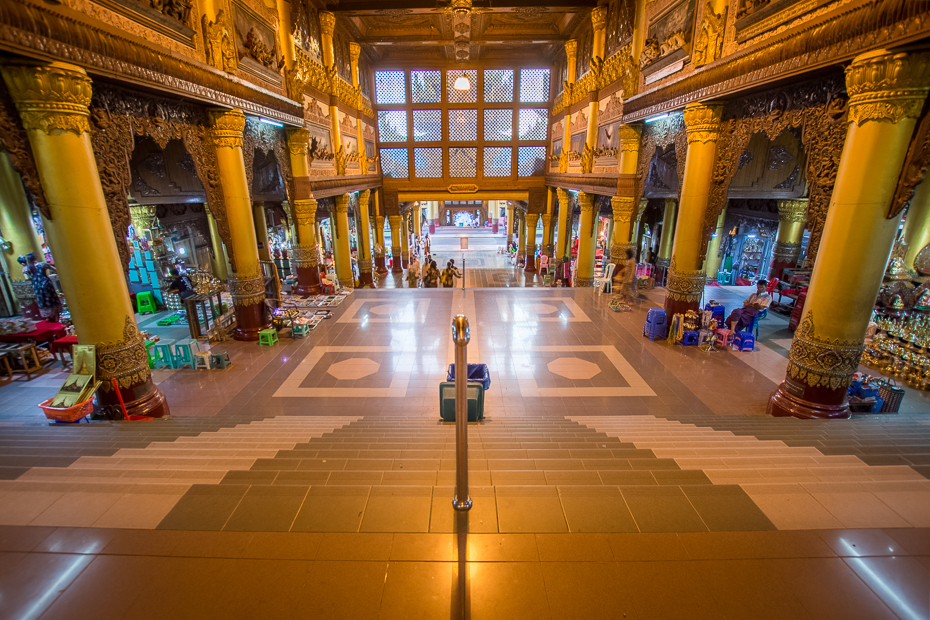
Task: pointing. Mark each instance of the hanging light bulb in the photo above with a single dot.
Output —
(462, 83)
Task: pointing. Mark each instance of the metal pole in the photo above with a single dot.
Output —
(463, 271)
(460, 336)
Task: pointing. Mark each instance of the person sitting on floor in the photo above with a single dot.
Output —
(754, 304)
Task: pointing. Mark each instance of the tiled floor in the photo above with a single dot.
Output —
(612, 477)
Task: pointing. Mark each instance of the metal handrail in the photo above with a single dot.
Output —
(460, 336)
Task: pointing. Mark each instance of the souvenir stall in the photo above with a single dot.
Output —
(898, 338)
(746, 250)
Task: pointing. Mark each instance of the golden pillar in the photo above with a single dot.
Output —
(712, 259)
(218, 263)
(15, 219)
(667, 237)
(379, 237)
(521, 236)
(917, 224)
(327, 26)
(342, 255)
(510, 228)
(599, 22)
(886, 94)
(792, 215)
(418, 220)
(246, 285)
(53, 101)
(571, 55)
(364, 240)
(548, 227)
(395, 224)
(685, 282)
(563, 247)
(532, 221)
(587, 237)
(305, 254)
(355, 51)
(261, 231)
(404, 240)
(622, 208)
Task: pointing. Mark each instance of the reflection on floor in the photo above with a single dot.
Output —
(612, 477)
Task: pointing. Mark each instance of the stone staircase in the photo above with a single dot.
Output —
(397, 474)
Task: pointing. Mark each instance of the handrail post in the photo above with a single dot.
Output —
(460, 336)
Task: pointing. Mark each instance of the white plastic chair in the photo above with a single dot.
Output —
(605, 283)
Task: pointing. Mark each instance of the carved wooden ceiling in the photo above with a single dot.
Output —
(443, 31)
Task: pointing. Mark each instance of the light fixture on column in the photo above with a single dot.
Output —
(462, 83)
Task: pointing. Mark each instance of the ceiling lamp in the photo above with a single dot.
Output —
(462, 83)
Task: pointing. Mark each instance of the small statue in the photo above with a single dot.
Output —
(651, 51)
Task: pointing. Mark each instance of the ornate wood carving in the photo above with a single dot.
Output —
(112, 140)
(162, 120)
(50, 32)
(14, 140)
(662, 133)
(839, 35)
(817, 107)
(915, 165)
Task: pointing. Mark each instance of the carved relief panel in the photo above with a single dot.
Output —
(163, 175)
(669, 37)
(774, 168)
(256, 43)
(620, 17)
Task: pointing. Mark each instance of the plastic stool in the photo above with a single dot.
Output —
(203, 359)
(150, 350)
(268, 337)
(183, 353)
(744, 341)
(299, 330)
(164, 357)
(220, 359)
(726, 337)
(689, 339)
(145, 302)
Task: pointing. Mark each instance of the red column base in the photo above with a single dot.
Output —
(249, 321)
(432, 228)
(674, 306)
(365, 279)
(434, 225)
(778, 268)
(379, 265)
(405, 262)
(308, 281)
(143, 399)
(783, 404)
(396, 262)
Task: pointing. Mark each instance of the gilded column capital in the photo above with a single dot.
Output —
(790, 211)
(298, 140)
(227, 127)
(562, 194)
(364, 198)
(305, 211)
(623, 208)
(586, 201)
(599, 17)
(355, 51)
(342, 203)
(327, 23)
(546, 219)
(629, 138)
(532, 219)
(50, 96)
(571, 51)
(379, 222)
(702, 122)
(887, 87)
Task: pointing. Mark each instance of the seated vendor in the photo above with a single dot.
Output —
(754, 304)
(181, 285)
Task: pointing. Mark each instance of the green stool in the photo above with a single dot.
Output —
(268, 337)
(300, 330)
(145, 302)
(150, 350)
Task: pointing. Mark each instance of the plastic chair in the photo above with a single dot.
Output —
(268, 337)
(220, 359)
(755, 322)
(145, 302)
(605, 283)
(150, 351)
(164, 356)
(203, 359)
